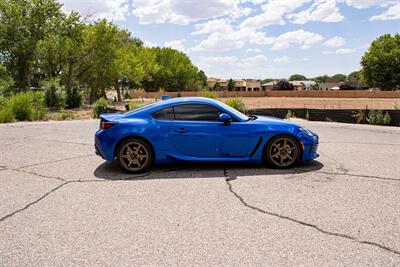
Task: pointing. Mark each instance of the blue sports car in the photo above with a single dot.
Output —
(200, 129)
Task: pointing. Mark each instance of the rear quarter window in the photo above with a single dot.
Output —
(164, 114)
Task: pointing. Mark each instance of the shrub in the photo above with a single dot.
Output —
(376, 117)
(387, 119)
(236, 103)
(290, 114)
(99, 106)
(54, 94)
(209, 94)
(307, 115)
(73, 98)
(134, 104)
(179, 94)
(23, 106)
(359, 116)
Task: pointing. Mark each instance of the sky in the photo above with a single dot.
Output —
(255, 38)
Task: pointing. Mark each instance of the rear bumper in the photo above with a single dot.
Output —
(103, 146)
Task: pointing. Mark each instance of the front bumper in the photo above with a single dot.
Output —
(310, 151)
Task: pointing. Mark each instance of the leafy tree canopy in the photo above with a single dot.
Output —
(381, 63)
(297, 77)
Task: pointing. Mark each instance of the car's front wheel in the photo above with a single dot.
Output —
(134, 155)
(283, 152)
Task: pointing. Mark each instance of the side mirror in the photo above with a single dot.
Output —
(225, 118)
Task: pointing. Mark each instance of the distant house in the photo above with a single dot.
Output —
(240, 85)
(211, 82)
(330, 84)
(268, 86)
(303, 85)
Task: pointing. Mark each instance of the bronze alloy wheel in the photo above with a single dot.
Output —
(283, 152)
(134, 155)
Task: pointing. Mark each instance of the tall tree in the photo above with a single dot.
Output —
(354, 76)
(297, 77)
(202, 78)
(381, 63)
(176, 71)
(231, 85)
(23, 23)
(61, 50)
(340, 77)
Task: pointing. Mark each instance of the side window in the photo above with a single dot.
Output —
(196, 112)
(164, 114)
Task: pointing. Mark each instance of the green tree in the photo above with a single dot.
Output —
(340, 77)
(202, 78)
(176, 72)
(231, 85)
(267, 80)
(297, 77)
(6, 82)
(320, 79)
(99, 70)
(61, 50)
(23, 23)
(354, 76)
(381, 63)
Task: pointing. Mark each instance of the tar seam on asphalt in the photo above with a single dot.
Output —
(349, 237)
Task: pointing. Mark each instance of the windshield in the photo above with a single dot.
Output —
(235, 112)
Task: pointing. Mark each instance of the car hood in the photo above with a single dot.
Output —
(271, 120)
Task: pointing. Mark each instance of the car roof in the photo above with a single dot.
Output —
(175, 101)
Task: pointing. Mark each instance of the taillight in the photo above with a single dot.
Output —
(107, 124)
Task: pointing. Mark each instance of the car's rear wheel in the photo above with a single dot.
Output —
(283, 152)
(134, 155)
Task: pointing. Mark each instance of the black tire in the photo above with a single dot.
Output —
(283, 151)
(134, 155)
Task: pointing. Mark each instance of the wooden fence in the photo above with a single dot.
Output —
(322, 94)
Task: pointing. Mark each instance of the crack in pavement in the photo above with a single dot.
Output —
(60, 186)
(34, 202)
(228, 180)
(57, 160)
(360, 176)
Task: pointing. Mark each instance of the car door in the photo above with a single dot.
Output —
(197, 132)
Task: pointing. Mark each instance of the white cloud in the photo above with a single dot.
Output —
(210, 61)
(223, 37)
(148, 43)
(183, 12)
(109, 9)
(321, 10)
(392, 13)
(253, 50)
(340, 51)
(283, 59)
(176, 44)
(273, 13)
(366, 3)
(335, 41)
(300, 37)
(232, 66)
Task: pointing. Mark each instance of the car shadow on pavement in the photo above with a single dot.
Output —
(111, 171)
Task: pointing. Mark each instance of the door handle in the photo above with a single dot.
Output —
(181, 130)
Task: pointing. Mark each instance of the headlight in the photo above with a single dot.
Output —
(306, 131)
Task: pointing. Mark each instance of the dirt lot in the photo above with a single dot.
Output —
(320, 103)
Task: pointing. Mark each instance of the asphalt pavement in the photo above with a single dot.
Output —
(61, 205)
